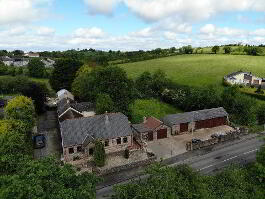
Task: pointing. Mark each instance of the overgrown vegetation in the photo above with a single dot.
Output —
(99, 154)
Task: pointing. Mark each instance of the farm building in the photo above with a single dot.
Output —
(191, 121)
(78, 135)
(151, 129)
(244, 78)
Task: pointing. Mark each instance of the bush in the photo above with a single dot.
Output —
(99, 154)
(36, 68)
(127, 153)
(261, 114)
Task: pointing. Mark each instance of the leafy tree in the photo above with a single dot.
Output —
(261, 114)
(36, 68)
(21, 108)
(3, 69)
(260, 166)
(253, 50)
(111, 80)
(143, 84)
(104, 103)
(186, 49)
(14, 146)
(46, 178)
(18, 53)
(20, 71)
(227, 49)
(12, 70)
(99, 154)
(64, 73)
(215, 49)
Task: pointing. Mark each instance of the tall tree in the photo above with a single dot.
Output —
(215, 49)
(64, 73)
(99, 154)
(36, 68)
(110, 80)
(104, 104)
(21, 108)
(227, 49)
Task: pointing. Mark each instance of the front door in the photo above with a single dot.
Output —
(162, 133)
(150, 136)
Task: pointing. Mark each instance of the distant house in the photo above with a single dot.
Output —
(65, 94)
(48, 62)
(151, 129)
(191, 121)
(17, 62)
(79, 135)
(32, 55)
(244, 78)
(67, 109)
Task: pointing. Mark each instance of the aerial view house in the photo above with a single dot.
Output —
(68, 109)
(191, 121)
(78, 135)
(245, 78)
(151, 129)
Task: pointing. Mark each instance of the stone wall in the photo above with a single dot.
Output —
(125, 167)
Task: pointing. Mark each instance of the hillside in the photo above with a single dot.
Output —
(198, 70)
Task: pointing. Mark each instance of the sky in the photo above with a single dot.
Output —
(127, 25)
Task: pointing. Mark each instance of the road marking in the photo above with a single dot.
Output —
(254, 150)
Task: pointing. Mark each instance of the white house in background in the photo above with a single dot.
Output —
(65, 94)
(32, 55)
(244, 78)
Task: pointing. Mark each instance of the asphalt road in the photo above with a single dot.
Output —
(239, 152)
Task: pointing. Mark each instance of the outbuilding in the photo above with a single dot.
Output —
(191, 121)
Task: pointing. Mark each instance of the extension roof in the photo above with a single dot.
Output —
(83, 130)
(194, 116)
(150, 124)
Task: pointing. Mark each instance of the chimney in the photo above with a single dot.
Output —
(144, 119)
(106, 119)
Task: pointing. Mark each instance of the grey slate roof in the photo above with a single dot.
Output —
(83, 130)
(234, 74)
(141, 128)
(64, 104)
(187, 117)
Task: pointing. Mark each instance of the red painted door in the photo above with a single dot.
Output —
(184, 127)
(162, 133)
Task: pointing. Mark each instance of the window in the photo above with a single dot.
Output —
(106, 142)
(71, 150)
(118, 140)
(79, 149)
(125, 140)
(91, 151)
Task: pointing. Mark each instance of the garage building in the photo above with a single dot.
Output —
(189, 121)
(151, 129)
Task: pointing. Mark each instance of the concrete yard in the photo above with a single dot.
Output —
(175, 145)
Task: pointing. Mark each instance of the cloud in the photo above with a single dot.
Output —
(22, 11)
(146, 32)
(170, 35)
(210, 29)
(93, 32)
(185, 10)
(259, 32)
(45, 31)
(101, 6)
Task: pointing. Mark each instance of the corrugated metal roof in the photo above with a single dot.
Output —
(187, 117)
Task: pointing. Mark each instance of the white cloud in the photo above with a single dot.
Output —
(93, 32)
(170, 35)
(21, 11)
(146, 32)
(259, 32)
(101, 6)
(45, 31)
(186, 10)
(210, 29)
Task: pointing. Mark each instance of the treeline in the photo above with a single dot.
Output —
(23, 177)
(22, 85)
(183, 182)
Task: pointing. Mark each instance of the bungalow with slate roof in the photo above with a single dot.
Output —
(78, 135)
(244, 78)
(151, 129)
(191, 121)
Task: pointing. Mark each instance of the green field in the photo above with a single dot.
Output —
(199, 70)
(152, 107)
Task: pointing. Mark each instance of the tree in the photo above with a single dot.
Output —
(99, 154)
(36, 68)
(261, 114)
(111, 80)
(186, 49)
(14, 146)
(215, 49)
(227, 49)
(46, 178)
(21, 108)
(143, 84)
(18, 53)
(104, 104)
(64, 73)
(3, 69)
(253, 50)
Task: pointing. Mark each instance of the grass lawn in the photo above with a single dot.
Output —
(199, 70)
(151, 107)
